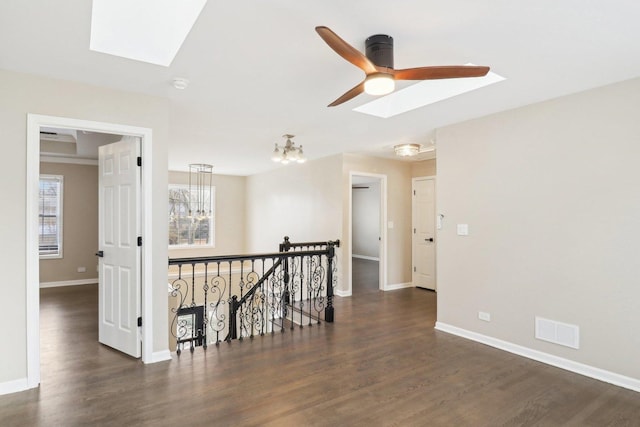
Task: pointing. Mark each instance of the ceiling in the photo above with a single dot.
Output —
(257, 69)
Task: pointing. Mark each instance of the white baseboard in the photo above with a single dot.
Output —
(394, 286)
(370, 258)
(68, 283)
(549, 359)
(14, 386)
(160, 356)
(342, 293)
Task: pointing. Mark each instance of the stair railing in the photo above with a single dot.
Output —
(237, 296)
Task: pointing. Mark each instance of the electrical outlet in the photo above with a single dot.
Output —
(482, 315)
(82, 269)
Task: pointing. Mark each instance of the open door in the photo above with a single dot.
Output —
(119, 251)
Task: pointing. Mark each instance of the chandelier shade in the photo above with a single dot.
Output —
(289, 152)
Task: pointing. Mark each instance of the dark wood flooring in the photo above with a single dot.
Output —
(381, 363)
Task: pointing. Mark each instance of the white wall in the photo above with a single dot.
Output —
(551, 193)
(365, 228)
(23, 94)
(302, 201)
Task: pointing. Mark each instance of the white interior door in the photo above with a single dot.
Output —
(424, 243)
(119, 263)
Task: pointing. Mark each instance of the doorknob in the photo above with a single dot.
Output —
(430, 239)
(100, 254)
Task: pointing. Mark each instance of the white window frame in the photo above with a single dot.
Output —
(59, 218)
(212, 221)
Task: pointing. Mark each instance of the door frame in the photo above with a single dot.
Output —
(34, 123)
(382, 272)
(435, 228)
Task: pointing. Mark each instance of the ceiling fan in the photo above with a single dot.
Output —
(378, 66)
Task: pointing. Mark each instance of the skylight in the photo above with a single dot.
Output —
(424, 93)
(145, 30)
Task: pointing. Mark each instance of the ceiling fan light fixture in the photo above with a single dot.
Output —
(407, 150)
(379, 84)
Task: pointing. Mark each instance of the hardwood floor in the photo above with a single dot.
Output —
(381, 363)
(365, 275)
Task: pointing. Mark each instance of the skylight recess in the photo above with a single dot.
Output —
(145, 30)
(425, 93)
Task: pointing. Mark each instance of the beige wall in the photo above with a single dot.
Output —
(23, 94)
(80, 224)
(551, 195)
(398, 210)
(229, 216)
(423, 168)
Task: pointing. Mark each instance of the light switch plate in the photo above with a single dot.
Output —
(463, 229)
(390, 225)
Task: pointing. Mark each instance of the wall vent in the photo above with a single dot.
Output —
(557, 332)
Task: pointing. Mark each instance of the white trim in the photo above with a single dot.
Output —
(14, 386)
(34, 123)
(69, 283)
(382, 277)
(340, 293)
(69, 160)
(395, 286)
(370, 258)
(160, 356)
(549, 359)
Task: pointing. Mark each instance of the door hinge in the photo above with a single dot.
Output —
(139, 321)
(414, 231)
(414, 269)
(139, 161)
(139, 240)
(414, 191)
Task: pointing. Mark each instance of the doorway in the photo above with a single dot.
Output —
(34, 125)
(367, 248)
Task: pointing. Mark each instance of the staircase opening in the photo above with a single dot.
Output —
(229, 297)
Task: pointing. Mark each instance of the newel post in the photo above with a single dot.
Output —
(328, 311)
(233, 323)
(285, 246)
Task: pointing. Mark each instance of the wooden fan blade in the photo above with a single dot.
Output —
(345, 50)
(442, 72)
(351, 93)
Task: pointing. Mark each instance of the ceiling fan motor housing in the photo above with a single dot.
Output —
(379, 50)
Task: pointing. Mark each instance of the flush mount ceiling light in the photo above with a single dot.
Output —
(407, 150)
(145, 30)
(289, 152)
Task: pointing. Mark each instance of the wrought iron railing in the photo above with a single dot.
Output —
(222, 298)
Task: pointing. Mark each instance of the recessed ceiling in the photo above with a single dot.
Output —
(145, 30)
(257, 69)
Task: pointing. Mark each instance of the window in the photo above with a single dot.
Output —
(50, 216)
(186, 230)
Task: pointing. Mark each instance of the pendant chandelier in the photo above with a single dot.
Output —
(200, 180)
(289, 152)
